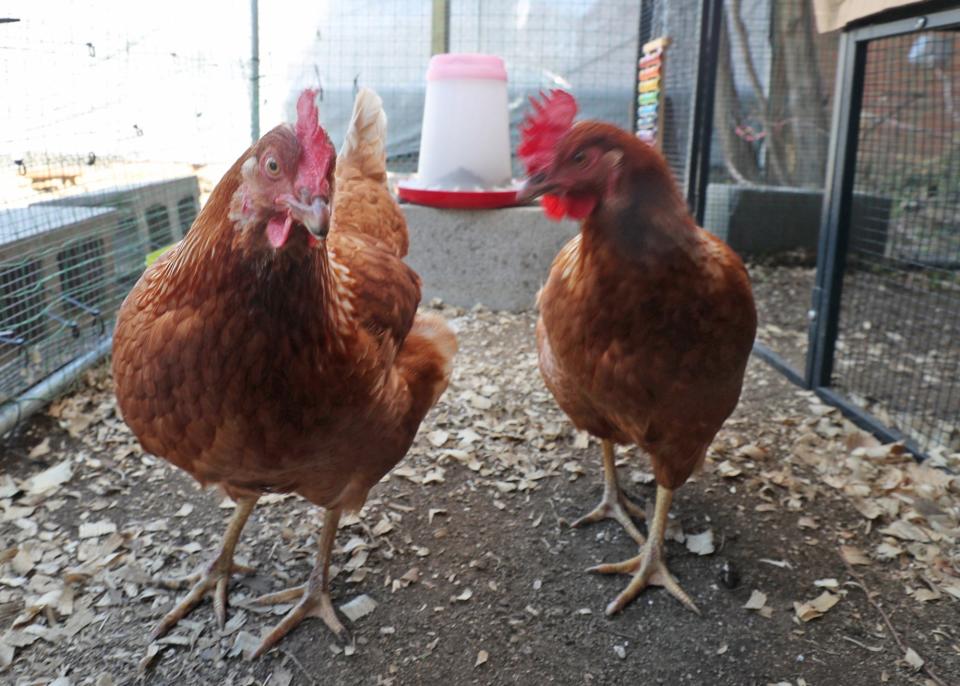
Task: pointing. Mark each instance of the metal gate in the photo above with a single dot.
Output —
(885, 338)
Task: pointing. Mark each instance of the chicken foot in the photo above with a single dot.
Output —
(314, 596)
(614, 504)
(648, 568)
(215, 576)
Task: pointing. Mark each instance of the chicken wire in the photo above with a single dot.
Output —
(120, 118)
(105, 129)
(586, 46)
(680, 22)
(771, 134)
(898, 349)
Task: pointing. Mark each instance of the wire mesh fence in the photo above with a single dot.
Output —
(898, 350)
(585, 46)
(772, 105)
(120, 118)
(679, 23)
(112, 116)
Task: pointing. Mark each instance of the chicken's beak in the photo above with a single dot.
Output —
(535, 186)
(315, 215)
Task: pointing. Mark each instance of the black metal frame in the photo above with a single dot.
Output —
(698, 152)
(838, 196)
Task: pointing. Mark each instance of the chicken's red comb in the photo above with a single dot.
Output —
(316, 149)
(550, 120)
(308, 117)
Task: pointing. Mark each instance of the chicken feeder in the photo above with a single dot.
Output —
(465, 136)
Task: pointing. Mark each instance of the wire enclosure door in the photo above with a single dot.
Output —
(886, 338)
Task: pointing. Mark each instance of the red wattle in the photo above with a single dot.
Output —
(580, 206)
(554, 207)
(278, 229)
(573, 206)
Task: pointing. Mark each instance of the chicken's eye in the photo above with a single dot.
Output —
(272, 166)
(580, 157)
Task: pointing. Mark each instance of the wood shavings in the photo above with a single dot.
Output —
(41, 449)
(727, 470)
(482, 657)
(905, 531)
(817, 607)
(245, 643)
(95, 529)
(438, 438)
(756, 601)
(520, 451)
(701, 544)
(358, 607)
(913, 659)
(49, 479)
(383, 527)
(854, 556)
(8, 488)
(7, 653)
(184, 510)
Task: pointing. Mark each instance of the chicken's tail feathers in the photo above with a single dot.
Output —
(366, 143)
(426, 360)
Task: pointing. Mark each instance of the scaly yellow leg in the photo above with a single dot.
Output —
(216, 575)
(648, 568)
(614, 504)
(314, 595)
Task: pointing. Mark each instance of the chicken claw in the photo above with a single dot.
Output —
(315, 602)
(314, 596)
(614, 504)
(648, 568)
(216, 576)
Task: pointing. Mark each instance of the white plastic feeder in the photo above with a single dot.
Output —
(465, 136)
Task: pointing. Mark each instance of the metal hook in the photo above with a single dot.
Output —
(69, 323)
(92, 311)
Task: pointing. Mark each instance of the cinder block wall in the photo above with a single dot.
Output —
(498, 258)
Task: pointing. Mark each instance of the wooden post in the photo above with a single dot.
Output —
(254, 71)
(440, 27)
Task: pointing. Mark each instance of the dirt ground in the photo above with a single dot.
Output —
(467, 552)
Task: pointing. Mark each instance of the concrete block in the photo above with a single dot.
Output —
(499, 258)
(762, 220)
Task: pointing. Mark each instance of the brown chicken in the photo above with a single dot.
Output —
(646, 320)
(263, 355)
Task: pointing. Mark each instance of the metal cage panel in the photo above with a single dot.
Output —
(886, 341)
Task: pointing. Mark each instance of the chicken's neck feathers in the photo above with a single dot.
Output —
(302, 285)
(642, 232)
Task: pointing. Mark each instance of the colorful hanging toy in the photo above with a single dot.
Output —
(650, 92)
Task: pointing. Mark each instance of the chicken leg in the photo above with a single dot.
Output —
(648, 568)
(216, 575)
(314, 595)
(614, 504)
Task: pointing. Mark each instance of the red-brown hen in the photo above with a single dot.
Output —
(263, 355)
(646, 320)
